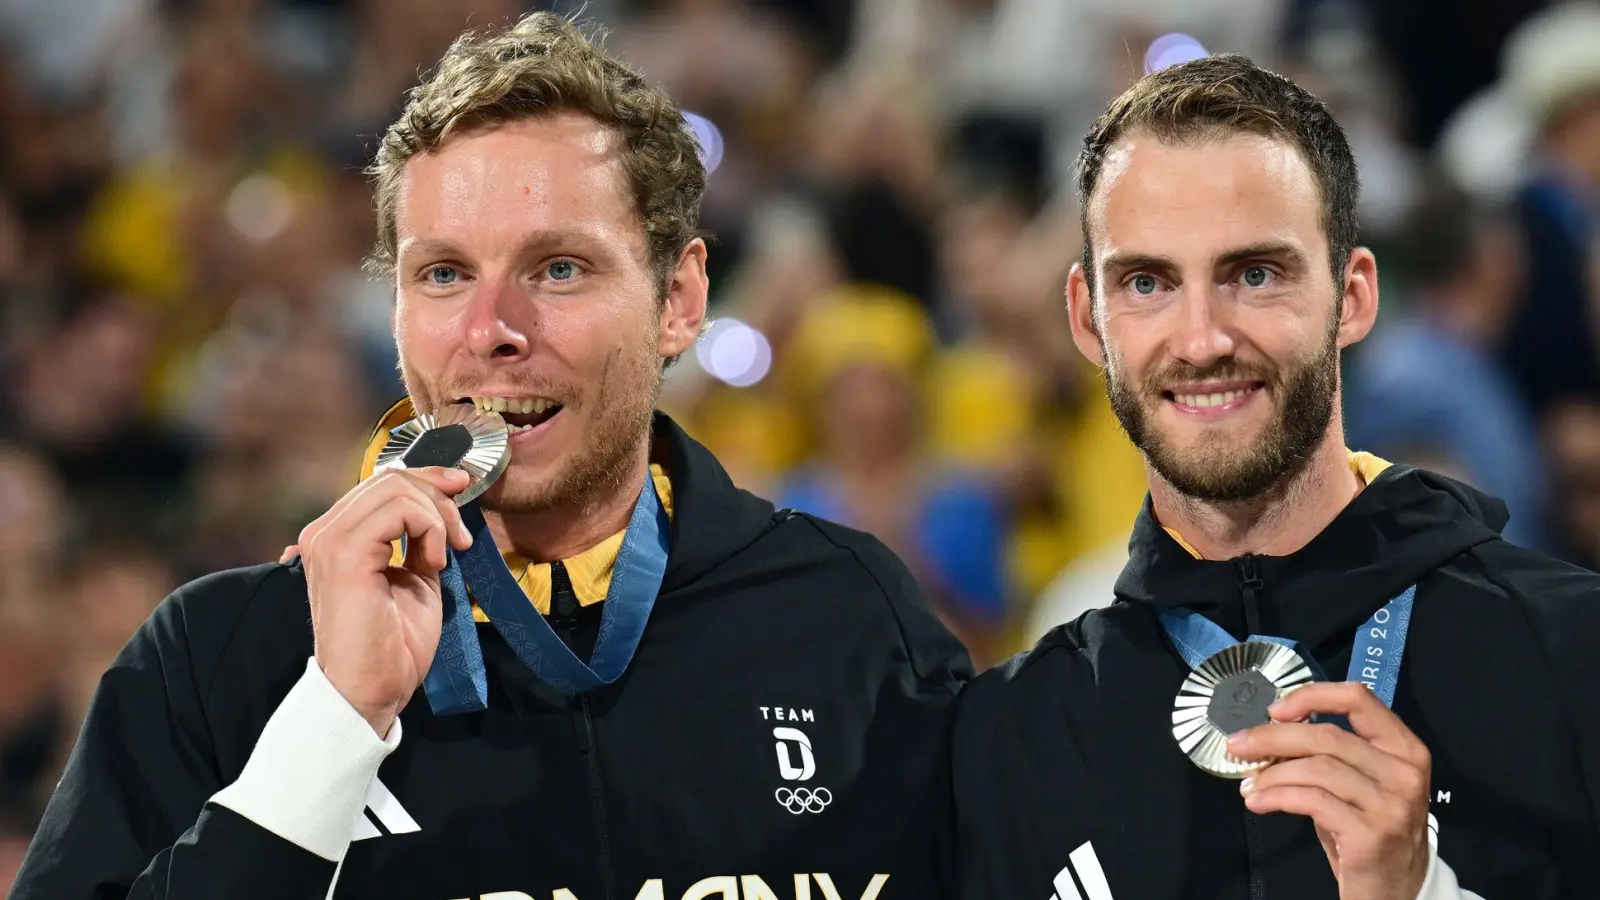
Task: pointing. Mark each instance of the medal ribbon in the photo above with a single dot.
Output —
(1375, 655)
(457, 682)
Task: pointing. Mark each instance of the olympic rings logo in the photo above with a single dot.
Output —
(803, 800)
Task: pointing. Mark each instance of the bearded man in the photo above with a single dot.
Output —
(1323, 675)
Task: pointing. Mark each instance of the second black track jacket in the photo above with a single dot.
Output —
(1069, 782)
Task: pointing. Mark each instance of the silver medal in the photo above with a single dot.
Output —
(1230, 692)
(459, 436)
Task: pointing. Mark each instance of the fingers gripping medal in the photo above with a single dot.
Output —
(460, 436)
(1229, 692)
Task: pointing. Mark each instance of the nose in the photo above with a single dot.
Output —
(498, 322)
(1204, 332)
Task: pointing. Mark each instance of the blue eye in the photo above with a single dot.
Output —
(561, 270)
(443, 275)
(1255, 276)
(1144, 284)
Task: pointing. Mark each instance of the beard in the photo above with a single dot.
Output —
(1218, 469)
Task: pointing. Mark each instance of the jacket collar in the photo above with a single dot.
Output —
(715, 519)
(1406, 523)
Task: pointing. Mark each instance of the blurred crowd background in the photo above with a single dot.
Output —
(191, 358)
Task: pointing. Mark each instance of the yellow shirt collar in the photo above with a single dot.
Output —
(1365, 465)
(590, 570)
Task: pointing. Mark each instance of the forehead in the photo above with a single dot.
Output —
(494, 187)
(1192, 199)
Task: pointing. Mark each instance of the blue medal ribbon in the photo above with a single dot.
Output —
(457, 682)
(1375, 655)
(1380, 645)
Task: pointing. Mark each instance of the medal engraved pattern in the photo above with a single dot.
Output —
(1251, 676)
(485, 460)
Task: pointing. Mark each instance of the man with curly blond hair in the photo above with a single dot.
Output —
(767, 696)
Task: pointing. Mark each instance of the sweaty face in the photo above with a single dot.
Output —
(1217, 314)
(524, 285)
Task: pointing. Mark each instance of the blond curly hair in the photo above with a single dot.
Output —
(541, 65)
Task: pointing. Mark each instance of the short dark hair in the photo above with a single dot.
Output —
(1219, 95)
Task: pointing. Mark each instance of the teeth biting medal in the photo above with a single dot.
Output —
(520, 414)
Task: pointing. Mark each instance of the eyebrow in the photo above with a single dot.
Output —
(1127, 262)
(1287, 253)
(565, 237)
(427, 247)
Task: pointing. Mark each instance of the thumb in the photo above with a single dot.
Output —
(289, 553)
(448, 481)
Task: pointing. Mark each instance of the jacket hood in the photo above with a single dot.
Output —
(1406, 523)
(712, 518)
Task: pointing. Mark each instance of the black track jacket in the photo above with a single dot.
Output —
(1065, 764)
(781, 734)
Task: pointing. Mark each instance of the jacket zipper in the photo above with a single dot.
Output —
(607, 877)
(1252, 837)
(1250, 585)
(564, 611)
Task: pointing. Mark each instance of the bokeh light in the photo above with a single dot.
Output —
(735, 353)
(259, 208)
(710, 137)
(1171, 49)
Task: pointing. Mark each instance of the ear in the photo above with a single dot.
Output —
(1360, 297)
(685, 310)
(1080, 315)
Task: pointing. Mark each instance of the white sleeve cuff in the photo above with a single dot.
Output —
(307, 779)
(1441, 881)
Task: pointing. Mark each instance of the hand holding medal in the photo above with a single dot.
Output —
(1229, 691)
(1261, 711)
(377, 626)
(1367, 791)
